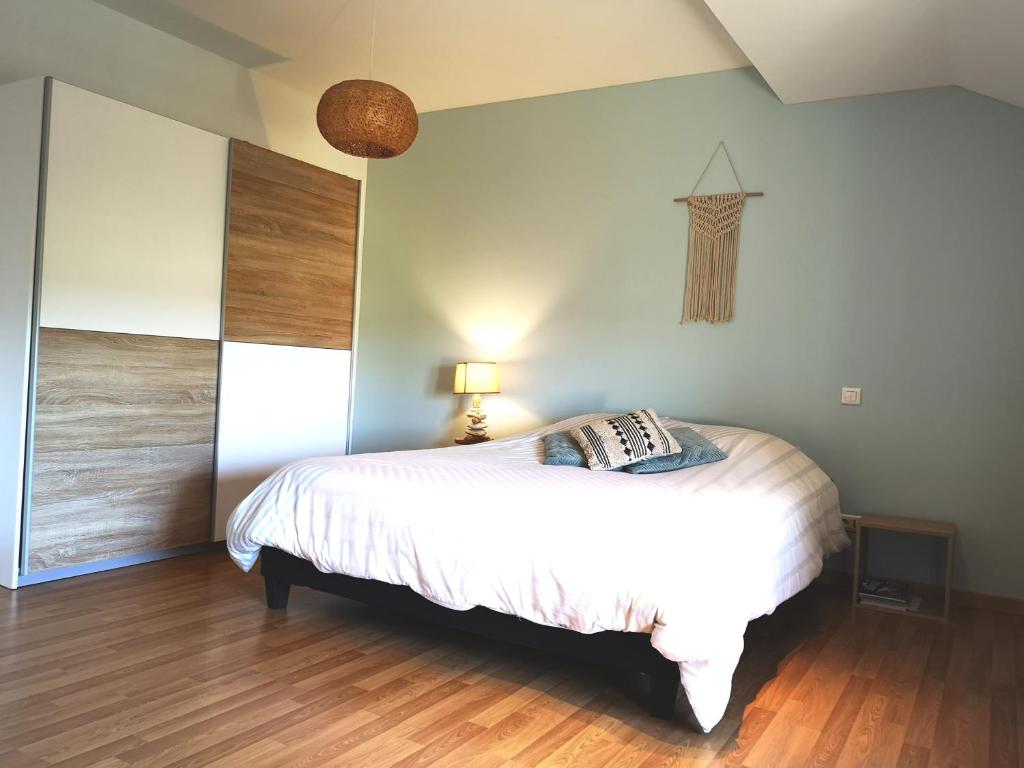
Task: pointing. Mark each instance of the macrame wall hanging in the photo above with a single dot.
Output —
(712, 252)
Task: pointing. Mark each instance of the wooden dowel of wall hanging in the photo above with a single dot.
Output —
(745, 194)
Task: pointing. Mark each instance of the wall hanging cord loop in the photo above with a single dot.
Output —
(721, 145)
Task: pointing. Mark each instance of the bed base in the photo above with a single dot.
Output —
(626, 651)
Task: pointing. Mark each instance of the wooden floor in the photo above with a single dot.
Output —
(180, 664)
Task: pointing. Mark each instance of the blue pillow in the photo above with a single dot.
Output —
(697, 450)
(560, 450)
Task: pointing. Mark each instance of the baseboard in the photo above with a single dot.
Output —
(71, 571)
(977, 600)
(983, 602)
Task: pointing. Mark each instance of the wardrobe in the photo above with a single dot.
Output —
(177, 311)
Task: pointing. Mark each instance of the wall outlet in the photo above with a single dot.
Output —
(850, 396)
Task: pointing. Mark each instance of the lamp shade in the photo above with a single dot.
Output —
(476, 379)
(367, 118)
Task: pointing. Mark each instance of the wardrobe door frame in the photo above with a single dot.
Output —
(25, 576)
(24, 157)
(221, 513)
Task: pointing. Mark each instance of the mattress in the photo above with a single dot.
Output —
(688, 556)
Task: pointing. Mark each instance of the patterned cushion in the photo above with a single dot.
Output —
(560, 450)
(696, 450)
(614, 442)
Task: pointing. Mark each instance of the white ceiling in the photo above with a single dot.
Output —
(826, 49)
(451, 53)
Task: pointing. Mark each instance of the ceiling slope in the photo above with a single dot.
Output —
(451, 53)
(809, 50)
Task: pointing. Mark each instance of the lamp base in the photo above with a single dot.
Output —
(476, 432)
(471, 439)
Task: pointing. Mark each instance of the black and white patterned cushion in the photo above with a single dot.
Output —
(610, 443)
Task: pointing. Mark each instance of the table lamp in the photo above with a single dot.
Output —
(476, 379)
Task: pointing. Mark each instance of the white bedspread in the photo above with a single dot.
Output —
(689, 556)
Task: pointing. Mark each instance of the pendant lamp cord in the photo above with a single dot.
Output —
(373, 35)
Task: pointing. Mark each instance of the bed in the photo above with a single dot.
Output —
(599, 564)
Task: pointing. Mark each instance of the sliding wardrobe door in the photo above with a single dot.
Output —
(129, 315)
(123, 445)
(289, 294)
(134, 239)
(278, 404)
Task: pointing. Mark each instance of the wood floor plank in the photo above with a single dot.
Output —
(840, 722)
(1020, 726)
(912, 756)
(593, 745)
(521, 698)
(104, 753)
(937, 665)
(1003, 666)
(958, 671)
(436, 751)
(1003, 736)
(874, 738)
(261, 754)
(962, 731)
(755, 722)
(923, 718)
(13, 758)
(487, 740)
(816, 696)
(541, 714)
(478, 698)
(784, 742)
(778, 690)
(562, 731)
(180, 664)
(649, 743)
(979, 679)
(1018, 654)
(899, 680)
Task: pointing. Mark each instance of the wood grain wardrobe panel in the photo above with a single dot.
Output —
(123, 455)
(291, 252)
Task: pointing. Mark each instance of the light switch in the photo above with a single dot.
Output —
(850, 396)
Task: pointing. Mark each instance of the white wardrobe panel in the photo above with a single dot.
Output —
(277, 404)
(134, 220)
(21, 120)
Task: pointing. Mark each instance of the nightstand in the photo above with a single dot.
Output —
(929, 609)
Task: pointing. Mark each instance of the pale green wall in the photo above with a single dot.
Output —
(888, 253)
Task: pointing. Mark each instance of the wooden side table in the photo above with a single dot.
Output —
(929, 609)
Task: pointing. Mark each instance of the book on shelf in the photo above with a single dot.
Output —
(884, 592)
(912, 605)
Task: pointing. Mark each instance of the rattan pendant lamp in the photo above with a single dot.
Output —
(367, 118)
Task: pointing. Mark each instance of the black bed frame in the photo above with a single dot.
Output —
(626, 651)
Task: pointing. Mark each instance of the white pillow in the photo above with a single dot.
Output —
(610, 443)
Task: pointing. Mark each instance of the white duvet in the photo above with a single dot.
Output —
(688, 556)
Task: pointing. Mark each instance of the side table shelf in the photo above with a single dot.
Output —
(930, 608)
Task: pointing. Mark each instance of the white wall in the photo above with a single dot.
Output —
(89, 45)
